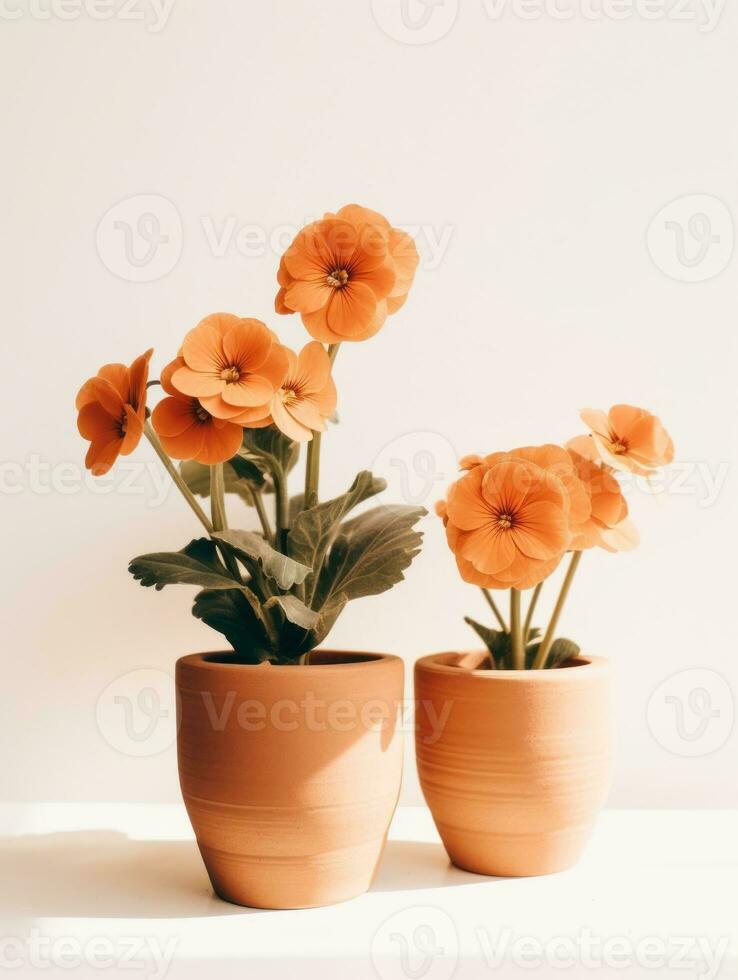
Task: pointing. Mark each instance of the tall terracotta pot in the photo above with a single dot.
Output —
(290, 774)
(514, 765)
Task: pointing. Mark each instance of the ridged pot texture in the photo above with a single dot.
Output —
(514, 765)
(290, 774)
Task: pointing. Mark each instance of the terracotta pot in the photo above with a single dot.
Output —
(514, 765)
(290, 774)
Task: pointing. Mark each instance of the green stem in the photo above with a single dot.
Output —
(312, 463)
(258, 501)
(177, 477)
(516, 633)
(217, 498)
(281, 506)
(531, 610)
(493, 606)
(545, 647)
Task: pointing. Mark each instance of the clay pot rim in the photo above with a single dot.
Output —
(201, 661)
(584, 664)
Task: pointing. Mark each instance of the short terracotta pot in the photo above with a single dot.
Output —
(290, 774)
(514, 765)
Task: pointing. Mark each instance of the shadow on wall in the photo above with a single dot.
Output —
(104, 874)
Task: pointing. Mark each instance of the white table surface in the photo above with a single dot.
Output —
(107, 889)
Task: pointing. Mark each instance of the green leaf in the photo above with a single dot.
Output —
(370, 554)
(229, 612)
(295, 640)
(561, 651)
(294, 610)
(197, 564)
(240, 476)
(314, 529)
(496, 641)
(269, 450)
(250, 547)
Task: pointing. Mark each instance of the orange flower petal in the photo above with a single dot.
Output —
(172, 416)
(308, 295)
(95, 423)
(134, 431)
(246, 345)
(541, 530)
(186, 445)
(220, 442)
(197, 384)
(287, 424)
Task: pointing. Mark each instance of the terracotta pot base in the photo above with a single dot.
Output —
(290, 804)
(520, 768)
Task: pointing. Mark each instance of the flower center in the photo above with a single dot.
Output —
(201, 414)
(288, 395)
(338, 278)
(618, 447)
(505, 520)
(230, 375)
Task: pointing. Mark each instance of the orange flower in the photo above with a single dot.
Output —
(508, 523)
(345, 273)
(555, 460)
(112, 412)
(188, 431)
(307, 396)
(232, 366)
(608, 526)
(628, 438)
(402, 249)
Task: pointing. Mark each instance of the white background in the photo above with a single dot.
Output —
(530, 157)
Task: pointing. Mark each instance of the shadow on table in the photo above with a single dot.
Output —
(407, 865)
(104, 874)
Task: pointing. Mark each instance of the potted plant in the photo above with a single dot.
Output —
(519, 766)
(289, 756)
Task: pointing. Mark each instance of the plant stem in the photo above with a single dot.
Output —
(531, 609)
(177, 477)
(516, 633)
(545, 647)
(217, 498)
(258, 501)
(312, 463)
(281, 506)
(493, 606)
